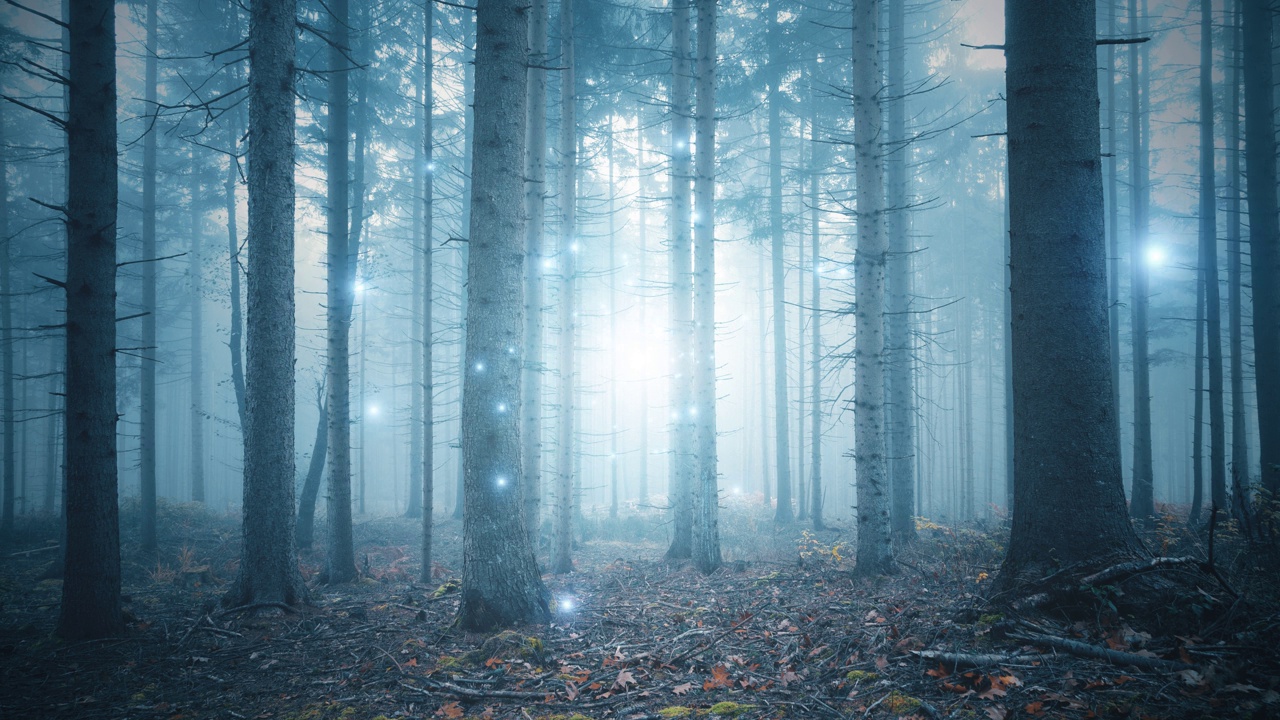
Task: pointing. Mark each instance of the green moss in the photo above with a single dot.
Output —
(448, 662)
(991, 619)
(900, 704)
(447, 587)
(675, 711)
(728, 709)
(861, 676)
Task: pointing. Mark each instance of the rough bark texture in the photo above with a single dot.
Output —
(815, 320)
(535, 200)
(706, 497)
(269, 562)
(1197, 413)
(500, 581)
(1069, 505)
(147, 357)
(875, 545)
(1264, 232)
(562, 553)
(340, 562)
(682, 460)
(1113, 205)
(1142, 501)
(91, 585)
(777, 254)
(1240, 479)
(464, 292)
(235, 340)
(1209, 266)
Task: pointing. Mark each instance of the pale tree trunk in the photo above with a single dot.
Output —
(613, 331)
(899, 408)
(464, 292)
(269, 562)
(235, 340)
(1197, 414)
(762, 385)
(356, 230)
(1070, 505)
(340, 562)
(777, 254)
(706, 499)
(802, 494)
(1209, 267)
(419, 251)
(147, 414)
(427, 223)
(1009, 483)
(1264, 233)
(535, 201)
(875, 544)
(500, 581)
(682, 427)
(965, 387)
(1240, 479)
(642, 241)
(1142, 500)
(562, 553)
(91, 584)
(815, 318)
(196, 270)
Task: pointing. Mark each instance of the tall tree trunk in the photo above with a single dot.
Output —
(1240, 479)
(427, 145)
(613, 329)
(6, 345)
(777, 254)
(1264, 233)
(1197, 415)
(269, 562)
(562, 556)
(899, 408)
(315, 473)
(468, 173)
(1142, 501)
(500, 581)
(340, 561)
(355, 232)
(420, 249)
(706, 498)
(91, 585)
(1070, 504)
(235, 339)
(1209, 266)
(682, 425)
(1010, 483)
(196, 271)
(535, 201)
(147, 414)
(642, 250)
(815, 319)
(1113, 207)
(875, 544)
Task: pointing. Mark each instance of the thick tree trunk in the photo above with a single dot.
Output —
(269, 562)
(1113, 207)
(706, 498)
(147, 393)
(1142, 502)
(196, 270)
(535, 200)
(1209, 266)
(682, 425)
(1070, 501)
(777, 254)
(562, 555)
(875, 544)
(91, 585)
(1264, 232)
(354, 237)
(500, 581)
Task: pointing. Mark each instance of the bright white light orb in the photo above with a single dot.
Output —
(1156, 255)
(373, 411)
(479, 367)
(502, 407)
(501, 481)
(567, 604)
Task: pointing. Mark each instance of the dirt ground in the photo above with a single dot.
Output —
(783, 630)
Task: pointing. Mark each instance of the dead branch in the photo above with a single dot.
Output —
(1117, 657)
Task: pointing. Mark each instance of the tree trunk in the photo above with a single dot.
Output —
(147, 356)
(535, 201)
(613, 330)
(1209, 266)
(428, 438)
(875, 544)
(777, 254)
(354, 237)
(420, 250)
(269, 562)
(1197, 415)
(1113, 208)
(235, 339)
(1070, 500)
(468, 22)
(706, 498)
(315, 473)
(815, 319)
(196, 270)
(1264, 232)
(1142, 501)
(641, 280)
(500, 581)
(1240, 480)
(682, 425)
(7, 351)
(562, 556)
(91, 585)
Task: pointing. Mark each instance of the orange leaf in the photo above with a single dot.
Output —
(450, 710)
(1034, 708)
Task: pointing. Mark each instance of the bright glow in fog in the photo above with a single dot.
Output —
(1156, 255)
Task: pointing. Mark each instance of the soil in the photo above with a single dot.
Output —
(782, 630)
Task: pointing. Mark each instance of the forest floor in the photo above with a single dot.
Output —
(783, 630)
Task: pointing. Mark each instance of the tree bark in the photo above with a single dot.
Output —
(1209, 266)
(562, 557)
(1240, 477)
(7, 351)
(777, 254)
(91, 585)
(196, 270)
(1069, 505)
(315, 473)
(147, 357)
(875, 543)
(468, 22)
(1142, 500)
(427, 145)
(269, 563)
(815, 319)
(500, 581)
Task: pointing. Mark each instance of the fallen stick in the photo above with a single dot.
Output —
(965, 660)
(37, 550)
(1117, 657)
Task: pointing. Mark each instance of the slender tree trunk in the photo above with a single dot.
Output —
(682, 426)
(1197, 415)
(417, 335)
(1114, 8)
(613, 331)
(777, 254)
(802, 487)
(815, 319)
(1264, 232)
(641, 279)
(6, 341)
(535, 201)
(269, 562)
(875, 544)
(1209, 266)
(235, 340)
(468, 173)
(427, 145)
(706, 498)
(1240, 479)
(1142, 502)
(1009, 480)
(899, 407)
(562, 557)
(1070, 505)
(315, 473)
(196, 270)
(763, 384)
(147, 414)
(91, 585)
(355, 234)
(500, 581)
